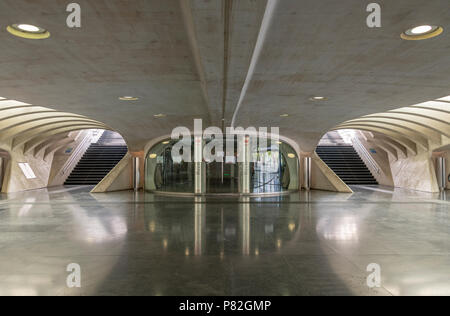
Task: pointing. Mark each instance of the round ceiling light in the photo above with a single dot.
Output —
(422, 32)
(153, 156)
(128, 98)
(28, 28)
(291, 156)
(421, 29)
(28, 31)
(318, 98)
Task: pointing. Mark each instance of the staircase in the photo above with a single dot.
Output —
(99, 160)
(346, 163)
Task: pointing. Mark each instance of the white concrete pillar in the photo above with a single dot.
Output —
(198, 164)
(307, 173)
(245, 175)
(136, 174)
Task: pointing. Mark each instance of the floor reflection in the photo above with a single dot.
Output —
(310, 243)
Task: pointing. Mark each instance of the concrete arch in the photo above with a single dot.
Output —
(434, 105)
(5, 104)
(17, 141)
(422, 113)
(36, 126)
(19, 110)
(19, 137)
(49, 141)
(406, 142)
(44, 143)
(364, 136)
(391, 142)
(386, 147)
(38, 139)
(401, 130)
(425, 132)
(438, 126)
(34, 117)
(56, 146)
(410, 137)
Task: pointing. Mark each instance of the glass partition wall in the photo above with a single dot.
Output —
(274, 169)
(261, 168)
(166, 173)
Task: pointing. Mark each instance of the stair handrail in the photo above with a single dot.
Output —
(362, 150)
(87, 139)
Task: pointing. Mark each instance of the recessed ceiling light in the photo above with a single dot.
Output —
(422, 32)
(128, 98)
(159, 115)
(284, 115)
(28, 31)
(166, 142)
(292, 156)
(317, 98)
(421, 29)
(28, 28)
(153, 156)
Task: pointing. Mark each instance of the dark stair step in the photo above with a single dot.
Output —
(346, 163)
(95, 164)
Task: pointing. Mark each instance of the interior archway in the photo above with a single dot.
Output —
(273, 167)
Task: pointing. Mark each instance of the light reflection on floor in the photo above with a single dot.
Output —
(308, 243)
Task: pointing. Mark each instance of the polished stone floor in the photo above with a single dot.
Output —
(315, 243)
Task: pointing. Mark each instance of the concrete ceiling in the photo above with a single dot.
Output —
(217, 59)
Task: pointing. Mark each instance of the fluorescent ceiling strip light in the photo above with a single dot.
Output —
(27, 171)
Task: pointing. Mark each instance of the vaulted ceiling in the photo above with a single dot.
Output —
(226, 61)
(424, 126)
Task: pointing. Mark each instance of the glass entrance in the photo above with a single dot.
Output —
(164, 173)
(274, 169)
(271, 168)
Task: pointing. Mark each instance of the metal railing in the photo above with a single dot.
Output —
(76, 155)
(361, 149)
